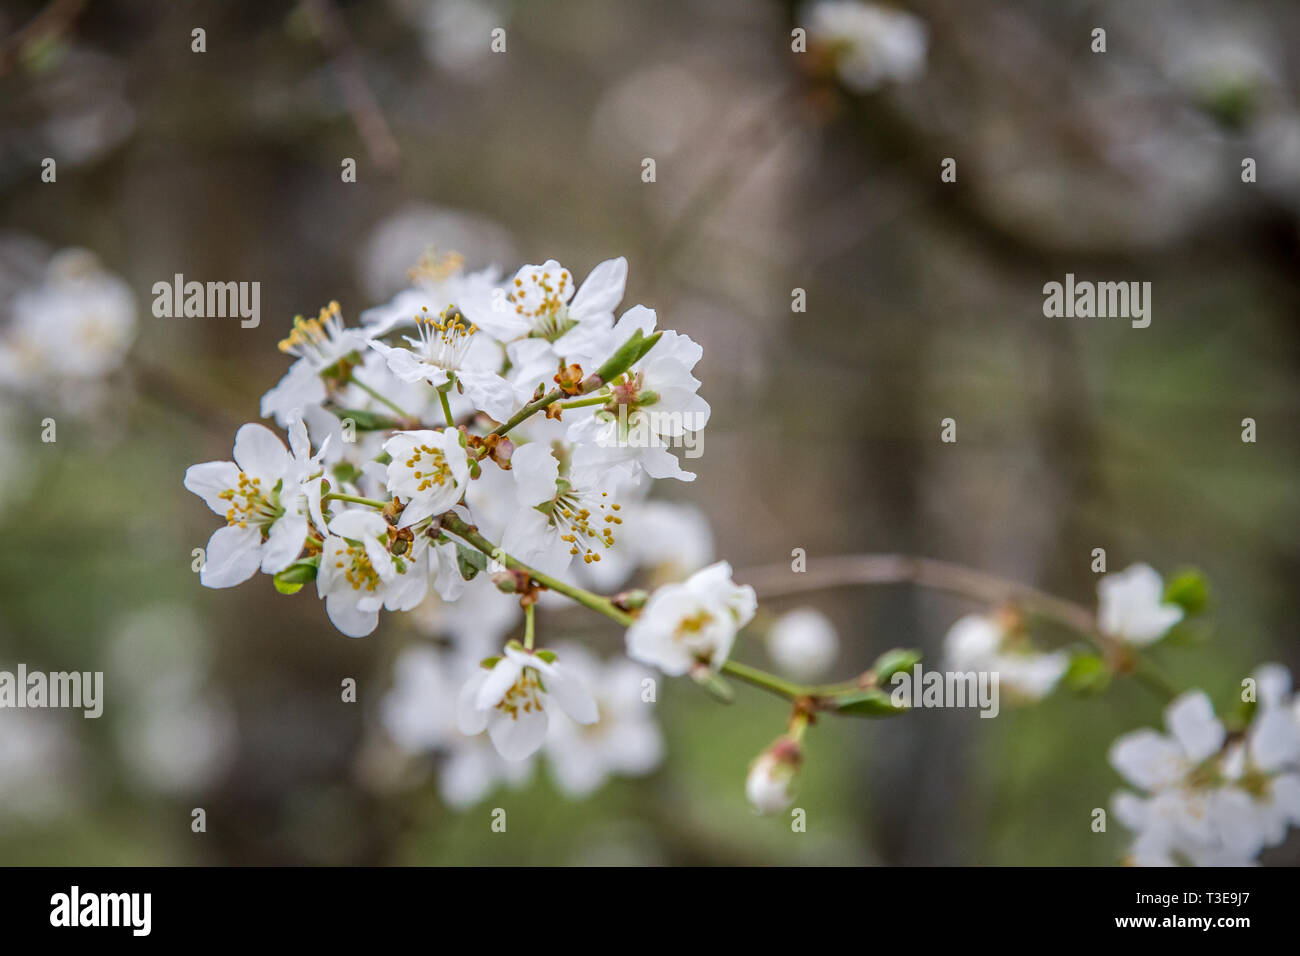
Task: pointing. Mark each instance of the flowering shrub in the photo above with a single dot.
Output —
(491, 441)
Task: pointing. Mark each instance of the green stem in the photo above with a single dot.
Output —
(584, 402)
(1150, 676)
(601, 605)
(446, 406)
(529, 410)
(377, 396)
(337, 496)
(788, 689)
(529, 626)
(766, 681)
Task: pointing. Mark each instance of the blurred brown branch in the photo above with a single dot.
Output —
(360, 99)
(778, 580)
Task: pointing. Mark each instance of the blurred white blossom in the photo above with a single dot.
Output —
(1206, 799)
(803, 643)
(868, 44)
(1131, 606)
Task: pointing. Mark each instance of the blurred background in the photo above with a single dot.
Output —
(775, 170)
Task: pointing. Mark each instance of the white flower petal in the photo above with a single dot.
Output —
(572, 696)
(1190, 718)
(535, 471)
(209, 480)
(232, 557)
(284, 543)
(348, 617)
(358, 524)
(517, 736)
(260, 453)
(499, 680)
(1274, 739)
(602, 291)
(470, 718)
(1148, 760)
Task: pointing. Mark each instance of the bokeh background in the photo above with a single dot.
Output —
(924, 302)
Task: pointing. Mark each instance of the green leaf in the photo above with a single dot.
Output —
(894, 661)
(548, 656)
(292, 578)
(470, 561)
(715, 687)
(647, 344)
(1087, 673)
(346, 473)
(868, 703)
(627, 354)
(1189, 632)
(1189, 590)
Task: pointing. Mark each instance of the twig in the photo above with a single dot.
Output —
(360, 99)
(778, 580)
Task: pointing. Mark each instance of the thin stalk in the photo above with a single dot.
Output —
(528, 411)
(338, 496)
(601, 605)
(379, 397)
(446, 405)
(764, 680)
(585, 402)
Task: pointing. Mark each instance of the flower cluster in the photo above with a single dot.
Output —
(472, 437)
(1213, 797)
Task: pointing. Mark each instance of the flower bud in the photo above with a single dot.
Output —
(769, 785)
(632, 600)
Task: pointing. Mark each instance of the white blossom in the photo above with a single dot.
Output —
(448, 347)
(979, 643)
(692, 625)
(545, 322)
(868, 44)
(563, 517)
(265, 495)
(359, 575)
(652, 406)
(317, 345)
(511, 699)
(1131, 606)
(428, 472)
(419, 714)
(803, 643)
(625, 739)
(69, 331)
